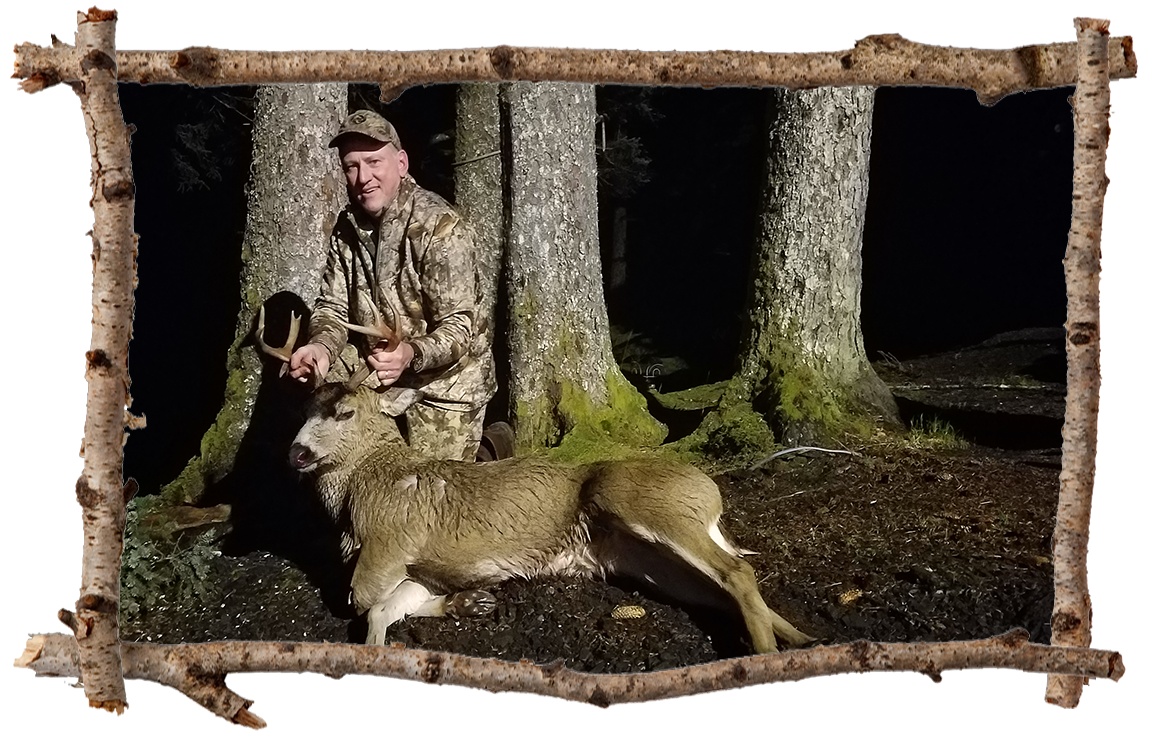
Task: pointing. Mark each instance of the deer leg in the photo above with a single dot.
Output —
(704, 548)
(412, 599)
(737, 578)
(408, 599)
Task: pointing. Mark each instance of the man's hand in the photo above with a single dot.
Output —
(309, 362)
(389, 365)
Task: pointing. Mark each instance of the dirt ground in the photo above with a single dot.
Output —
(920, 540)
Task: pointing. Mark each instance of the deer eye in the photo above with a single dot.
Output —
(345, 415)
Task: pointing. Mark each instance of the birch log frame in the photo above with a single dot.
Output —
(93, 67)
(1070, 623)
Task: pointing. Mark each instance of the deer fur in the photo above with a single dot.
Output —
(419, 529)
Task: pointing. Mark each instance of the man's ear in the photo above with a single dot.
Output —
(402, 162)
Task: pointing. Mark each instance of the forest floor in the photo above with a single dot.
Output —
(942, 535)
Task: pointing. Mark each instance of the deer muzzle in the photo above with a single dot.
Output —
(301, 458)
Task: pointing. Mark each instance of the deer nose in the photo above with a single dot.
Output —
(300, 457)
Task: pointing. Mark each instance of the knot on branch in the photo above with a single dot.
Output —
(1015, 638)
(196, 64)
(1082, 333)
(599, 698)
(503, 61)
(1062, 622)
(85, 494)
(888, 41)
(860, 652)
(97, 604)
(118, 187)
(98, 360)
(1039, 63)
(432, 669)
(97, 60)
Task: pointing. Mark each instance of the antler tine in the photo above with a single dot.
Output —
(353, 382)
(379, 330)
(283, 353)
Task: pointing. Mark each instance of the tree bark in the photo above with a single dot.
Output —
(803, 364)
(100, 489)
(1070, 623)
(563, 375)
(479, 193)
(294, 193)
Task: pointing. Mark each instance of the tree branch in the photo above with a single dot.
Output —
(100, 489)
(199, 670)
(1070, 623)
(882, 60)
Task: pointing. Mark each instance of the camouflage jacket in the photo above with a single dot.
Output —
(419, 263)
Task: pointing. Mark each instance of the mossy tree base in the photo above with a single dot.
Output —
(803, 369)
(577, 429)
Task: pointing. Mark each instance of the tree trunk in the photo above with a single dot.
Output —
(564, 380)
(479, 196)
(803, 366)
(294, 193)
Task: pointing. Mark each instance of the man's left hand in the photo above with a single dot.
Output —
(389, 365)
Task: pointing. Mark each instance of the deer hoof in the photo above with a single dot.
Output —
(469, 603)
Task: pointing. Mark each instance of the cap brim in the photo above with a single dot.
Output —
(343, 135)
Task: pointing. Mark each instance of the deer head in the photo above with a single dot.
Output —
(336, 422)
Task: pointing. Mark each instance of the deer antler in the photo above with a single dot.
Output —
(379, 332)
(283, 353)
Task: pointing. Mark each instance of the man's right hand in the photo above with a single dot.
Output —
(309, 362)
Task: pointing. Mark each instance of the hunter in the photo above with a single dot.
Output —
(409, 253)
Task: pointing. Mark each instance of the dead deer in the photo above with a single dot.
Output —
(418, 529)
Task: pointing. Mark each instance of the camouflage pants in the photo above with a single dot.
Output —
(444, 434)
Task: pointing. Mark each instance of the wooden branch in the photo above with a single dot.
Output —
(100, 489)
(199, 670)
(883, 60)
(93, 67)
(1070, 623)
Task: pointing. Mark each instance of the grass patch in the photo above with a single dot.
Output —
(934, 433)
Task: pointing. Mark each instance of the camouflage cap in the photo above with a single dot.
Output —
(368, 123)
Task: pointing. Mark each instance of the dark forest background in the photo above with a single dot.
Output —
(966, 226)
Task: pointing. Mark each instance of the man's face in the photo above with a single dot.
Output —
(373, 170)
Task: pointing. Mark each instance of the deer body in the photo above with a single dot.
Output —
(425, 528)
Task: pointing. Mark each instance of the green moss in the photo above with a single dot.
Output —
(703, 397)
(578, 430)
(796, 399)
(736, 433)
(220, 442)
(797, 392)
